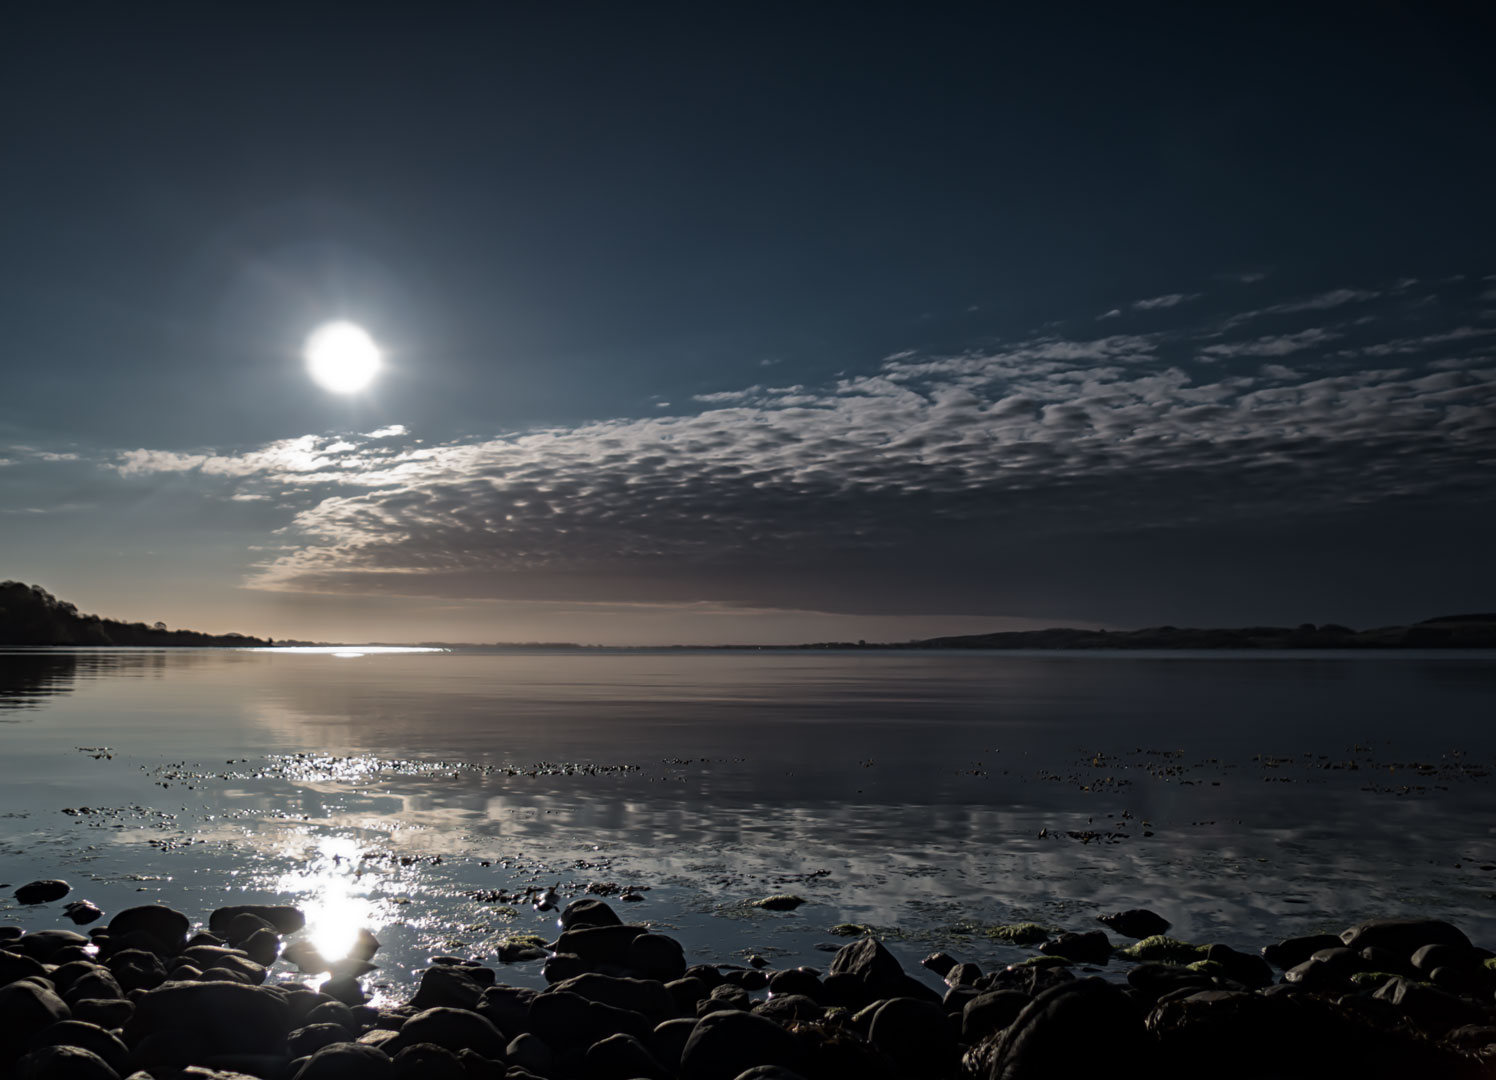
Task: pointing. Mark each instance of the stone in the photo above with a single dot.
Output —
(42, 892)
(263, 946)
(80, 1033)
(565, 1019)
(938, 962)
(623, 1057)
(599, 945)
(344, 988)
(14, 966)
(724, 1044)
(63, 1063)
(427, 1061)
(531, 1052)
(508, 1008)
(333, 1012)
(165, 925)
(46, 945)
(306, 956)
(747, 978)
(768, 1072)
(787, 1008)
(686, 992)
(1428, 957)
(588, 912)
(108, 1013)
(1249, 970)
(1091, 947)
(1428, 1006)
(917, 1036)
(1404, 936)
(1135, 922)
(305, 1041)
(656, 956)
(559, 967)
(231, 1018)
(1083, 1028)
(796, 981)
(878, 970)
(242, 927)
(347, 1061)
(283, 918)
(26, 1008)
(668, 1041)
(963, 975)
(455, 1029)
(446, 986)
(989, 1012)
(83, 912)
(645, 996)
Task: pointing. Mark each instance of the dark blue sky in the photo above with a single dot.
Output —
(741, 221)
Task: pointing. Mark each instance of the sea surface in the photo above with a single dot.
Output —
(931, 796)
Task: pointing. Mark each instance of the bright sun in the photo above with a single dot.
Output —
(342, 357)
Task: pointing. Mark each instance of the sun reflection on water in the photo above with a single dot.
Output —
(338, 901)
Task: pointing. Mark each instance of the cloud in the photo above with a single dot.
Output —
(390, 432)
(912, 477)
(1167, 301)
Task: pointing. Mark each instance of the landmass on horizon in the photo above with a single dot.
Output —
(31, 616)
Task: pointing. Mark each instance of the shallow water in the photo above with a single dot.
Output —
(930, 795)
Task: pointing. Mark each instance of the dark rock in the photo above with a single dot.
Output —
(796, 981)
(879, 971)
(559, 967)
(25, 1009)
(844, 989)
(1403, 936)
(42, 892)
(1340, 960)
(747, 978)
(306, 956)
(307, 1040)
(1084, 1028)
(1427, 1006)
(772, 1072)
(686, 992)
(565, 1019)
(106, 1012)
(1376, 958)
(508, 1008)
(345, 988)
(454, 1029)
(784, 1008)
(443, 985)
(14, 965)
(668, 1041)
(956, 998)
(939, 963)
(347, 1061)
(242, 927)
(708, 973)
(334, 1012)
(724, 1044)
(364, 946)
(531, 1052)
(588, 912)
(426, 1061)
(622, 1057)
(10, 933)
(1429, 957)
(656, 956)
(45, 945)
(641, 995)
(230, 1018)
(1318, 976)
(1029, 979)
(284, 919)
(165, 925)
(990, 1011)
(1091, 947)
(599, 945)
(733, 994)
(1135, 922)
(87, 1036)
(963, 975)
(83, 912)
(263, 946)
(1249, 970)
(63, 1063)
(916, 1035)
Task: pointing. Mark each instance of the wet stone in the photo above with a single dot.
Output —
(43, 891)
(1135, 922)
(83, 912)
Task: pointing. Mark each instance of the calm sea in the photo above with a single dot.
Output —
(928, 795)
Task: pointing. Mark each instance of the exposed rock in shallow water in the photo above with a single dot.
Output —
(1135, 923)
(42, 892)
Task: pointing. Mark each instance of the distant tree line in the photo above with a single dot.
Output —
(30, 615)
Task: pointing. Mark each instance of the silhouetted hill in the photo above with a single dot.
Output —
(1444, 632)
(29, 615)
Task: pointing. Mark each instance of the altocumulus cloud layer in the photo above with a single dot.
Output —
(1246, 446)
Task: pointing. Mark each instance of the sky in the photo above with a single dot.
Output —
(750, 322)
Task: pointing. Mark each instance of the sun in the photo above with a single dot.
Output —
(342, 357)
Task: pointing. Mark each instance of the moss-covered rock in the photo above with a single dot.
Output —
(1160, 949)
(850, 929)
(778, 902)
(1024, 933)
(1365, 979)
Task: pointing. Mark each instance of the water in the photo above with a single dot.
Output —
(928, 795)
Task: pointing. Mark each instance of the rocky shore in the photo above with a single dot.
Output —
(151, 997)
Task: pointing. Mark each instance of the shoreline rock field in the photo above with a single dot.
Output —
(151, 996)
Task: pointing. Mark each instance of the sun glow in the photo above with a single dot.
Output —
(342, 357)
